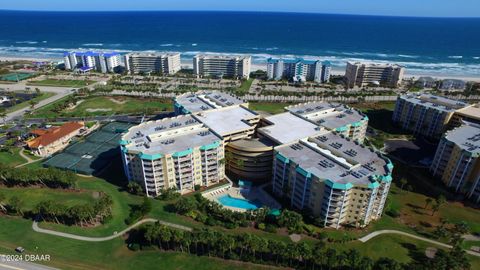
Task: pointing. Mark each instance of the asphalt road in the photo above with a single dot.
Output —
(60, 92)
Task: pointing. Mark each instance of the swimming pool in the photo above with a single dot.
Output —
(227, 200)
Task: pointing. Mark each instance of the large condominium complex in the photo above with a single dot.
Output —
(144, 62)
(178, 153)
(338, 179)
(334, 116)
(362, 74)
(298, 70)
(86, 61)
(205, 101)
(457, 160)
(222, 66)
(305, 152)
(425, 114)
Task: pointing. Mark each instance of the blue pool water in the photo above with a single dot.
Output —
(227, 200)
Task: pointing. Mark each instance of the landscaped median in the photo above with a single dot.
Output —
(60, 83)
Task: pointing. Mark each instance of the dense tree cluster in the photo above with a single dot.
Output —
(139, 211)
(83, 215)
(211, 213)
(52, 178)
(252, 248)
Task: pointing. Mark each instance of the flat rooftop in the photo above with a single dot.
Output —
(472, 112)
(435, 102)
(375, 65)
(227, 120)
(326, 114)
(153, 54)
(329, 156)
(467, 137)
(168, 135)
(207, 101)
(287, 127)
(223, 56)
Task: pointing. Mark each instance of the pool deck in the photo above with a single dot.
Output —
(254, 194)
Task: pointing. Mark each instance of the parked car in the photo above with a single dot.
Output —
(19, 249)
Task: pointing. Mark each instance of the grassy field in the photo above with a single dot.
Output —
(94, 106)
(57, 82)
(93, 254)
(245, 86)
(42, 96)
(12, 159)
(73, 254)
(380, 120)
(269, 107)
(32, 196)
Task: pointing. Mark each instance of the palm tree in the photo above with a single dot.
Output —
(428, 201)
(32, 103)
(403, 182)
(3, 114)
(3, 206)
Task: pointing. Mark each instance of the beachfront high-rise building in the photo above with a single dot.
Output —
(337, 180)
(86, 61)
(222, 66)
(362, 74)
(144, 62)
(426, 114)
(457, 161)
(298, 70)
(178, 153)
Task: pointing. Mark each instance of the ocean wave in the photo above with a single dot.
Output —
(455, 57)
(272, 49)
(166, 45)
(476, 57)
(194, 44)
(338, 61)
(93, 44)
(26, 42)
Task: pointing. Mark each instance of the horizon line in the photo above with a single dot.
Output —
(241, 11)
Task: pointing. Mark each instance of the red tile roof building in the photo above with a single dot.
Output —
(53, 139)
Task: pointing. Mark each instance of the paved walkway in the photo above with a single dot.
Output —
(377, 233)
(27, 158)
(107, 238)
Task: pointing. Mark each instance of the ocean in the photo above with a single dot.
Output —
(437, 46)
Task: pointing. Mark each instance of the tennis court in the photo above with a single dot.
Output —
(91, 155)
(13, 77)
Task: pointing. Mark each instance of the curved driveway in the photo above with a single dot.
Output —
(106, 238)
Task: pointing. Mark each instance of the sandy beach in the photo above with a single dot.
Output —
(263, 66)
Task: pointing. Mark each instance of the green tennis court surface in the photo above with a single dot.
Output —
(91, 155)
(13, 77)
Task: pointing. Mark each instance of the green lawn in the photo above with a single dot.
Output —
(74, 254)
(93, 106)
(244, 87)
(57, 82)
(269, 107)
(12, 159)
(42, 96)
(32, 196)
